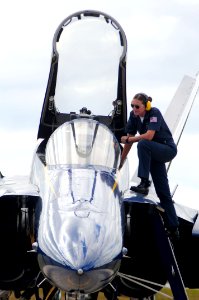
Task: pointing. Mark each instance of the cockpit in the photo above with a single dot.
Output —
(82, 143)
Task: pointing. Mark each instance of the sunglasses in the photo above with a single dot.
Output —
(136, 106)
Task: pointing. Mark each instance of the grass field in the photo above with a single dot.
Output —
(193, 294)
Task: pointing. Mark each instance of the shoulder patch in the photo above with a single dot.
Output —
(153, 120)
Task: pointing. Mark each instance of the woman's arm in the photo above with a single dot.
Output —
(145, 136)
(129, 140)
(126, 149)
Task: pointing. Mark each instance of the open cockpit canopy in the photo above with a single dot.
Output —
(88, 73)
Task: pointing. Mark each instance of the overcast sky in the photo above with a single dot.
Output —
(163, 46)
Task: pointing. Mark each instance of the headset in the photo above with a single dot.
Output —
(147, 101)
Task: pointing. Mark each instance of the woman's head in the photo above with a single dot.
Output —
(140, 104)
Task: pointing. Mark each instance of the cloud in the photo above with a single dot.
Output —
(162, 47)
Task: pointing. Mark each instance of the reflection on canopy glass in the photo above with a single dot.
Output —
(83, 142)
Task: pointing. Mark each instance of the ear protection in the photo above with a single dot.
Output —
(148, 105)
(147, 101)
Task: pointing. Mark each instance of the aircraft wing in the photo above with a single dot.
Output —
(17, 185)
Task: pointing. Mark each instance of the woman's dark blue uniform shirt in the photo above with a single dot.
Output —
(153, 120)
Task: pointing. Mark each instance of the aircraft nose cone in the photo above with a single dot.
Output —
(78, 280)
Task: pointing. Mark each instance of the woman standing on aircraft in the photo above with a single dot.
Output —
(155, 147)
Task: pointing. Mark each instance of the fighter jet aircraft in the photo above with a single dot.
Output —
(72, 226)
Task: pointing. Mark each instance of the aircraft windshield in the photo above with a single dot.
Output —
(89, 54)
(83, 142)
